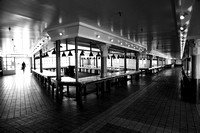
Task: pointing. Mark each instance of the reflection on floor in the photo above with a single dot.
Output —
(151, 104)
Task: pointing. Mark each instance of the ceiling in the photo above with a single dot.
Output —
(153, 23)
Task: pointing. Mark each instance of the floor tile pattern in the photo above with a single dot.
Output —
(158, 110)
(151, 104)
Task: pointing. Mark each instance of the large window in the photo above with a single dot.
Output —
(8, 63)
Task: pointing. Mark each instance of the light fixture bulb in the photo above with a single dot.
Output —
(181, 28)
(98, 36)
(182, 17)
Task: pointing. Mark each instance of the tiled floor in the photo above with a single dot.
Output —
(151, 104)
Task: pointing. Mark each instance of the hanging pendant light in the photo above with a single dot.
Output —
(63, 54)
(70, 53)
(118, 56)
(82, 53)
(108, 57)
(113, 56)
(98, 54)
(91, 54)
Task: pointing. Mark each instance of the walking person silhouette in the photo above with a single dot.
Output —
(23, 66)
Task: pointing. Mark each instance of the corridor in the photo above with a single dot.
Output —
(151, 104)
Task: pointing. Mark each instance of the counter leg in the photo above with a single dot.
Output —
(79, 94)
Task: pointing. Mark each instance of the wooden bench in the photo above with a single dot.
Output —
(97, 70)
(103, 84)
(151, 70)
(44, 77)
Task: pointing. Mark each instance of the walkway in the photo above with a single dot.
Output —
(151, 104)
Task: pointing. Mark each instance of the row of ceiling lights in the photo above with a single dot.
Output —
(183, 31)
(113, 56)
(120, 42)
(185, 20)
(39, 45)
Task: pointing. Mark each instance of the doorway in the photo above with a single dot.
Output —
(18, 64)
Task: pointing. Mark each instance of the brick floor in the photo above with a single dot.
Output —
(151, 104)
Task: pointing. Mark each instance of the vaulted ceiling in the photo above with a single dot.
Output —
(152, 23)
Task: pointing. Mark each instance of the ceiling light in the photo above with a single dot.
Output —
(60, 20)
(121, 43)
(181, 28)
(91, 54)
(82, 53)
(111, 40)
(112, 29)
(182, 17)
(60, 33)
(98, 54)
(63, 54)
(113, 56)
(70, 53)
(98, 36)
